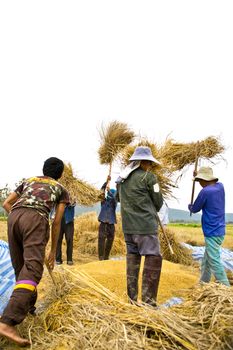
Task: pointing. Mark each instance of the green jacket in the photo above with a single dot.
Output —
(140, 198)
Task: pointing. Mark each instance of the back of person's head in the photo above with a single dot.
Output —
(53, 167)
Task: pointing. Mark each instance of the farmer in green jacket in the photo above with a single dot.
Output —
(140, 198)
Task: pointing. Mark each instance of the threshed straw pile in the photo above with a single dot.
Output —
(209, 309)
(181, 254)
(80, 191)
(89, 316)
(114, 137)
(86, 235)
(86, 240)
(177, 155)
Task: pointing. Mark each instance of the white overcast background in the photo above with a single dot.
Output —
(66, 67)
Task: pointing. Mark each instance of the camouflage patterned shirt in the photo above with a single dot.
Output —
(41, 193)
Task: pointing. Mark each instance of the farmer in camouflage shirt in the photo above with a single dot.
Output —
(29, 207)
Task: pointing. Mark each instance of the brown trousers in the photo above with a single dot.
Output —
(28, 234)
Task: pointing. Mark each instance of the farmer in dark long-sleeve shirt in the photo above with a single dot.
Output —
(107, 219)
(140, 199)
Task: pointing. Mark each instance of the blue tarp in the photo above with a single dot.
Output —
(226, 255)
(7, 275)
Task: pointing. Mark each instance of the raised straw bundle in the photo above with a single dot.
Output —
(177, 155)
(80, 191)
(89, 316)
(114, 137)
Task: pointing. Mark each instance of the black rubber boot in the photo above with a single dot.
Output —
(108, 247)
(101, 246)
(133, 262)
(150, 279)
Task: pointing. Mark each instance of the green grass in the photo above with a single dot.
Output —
(184, 224)
(192, 234)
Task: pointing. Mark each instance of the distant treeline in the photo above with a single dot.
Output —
(175, 215)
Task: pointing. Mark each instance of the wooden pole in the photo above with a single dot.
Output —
(193, 187)
(164, 233)
(50, 271)
(110, 169)
(108, 181)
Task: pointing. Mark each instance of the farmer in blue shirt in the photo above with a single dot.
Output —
(211, 200)
(107, 219)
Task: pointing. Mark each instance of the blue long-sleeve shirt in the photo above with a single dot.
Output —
(211, 200)
(108, 207)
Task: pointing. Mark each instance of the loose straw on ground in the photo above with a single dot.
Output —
(89, 316)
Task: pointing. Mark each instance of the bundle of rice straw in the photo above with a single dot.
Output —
(89, 316)
(181, 254)
(87, 243)
(86, 235)
(163, 172)
(80, 191)
(86, 222)
(209, 308)
(114, 138)
(177, 155)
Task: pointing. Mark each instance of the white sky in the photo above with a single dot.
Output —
(66, 67)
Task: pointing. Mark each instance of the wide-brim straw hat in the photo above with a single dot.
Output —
(205, 173)
(143, 153)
